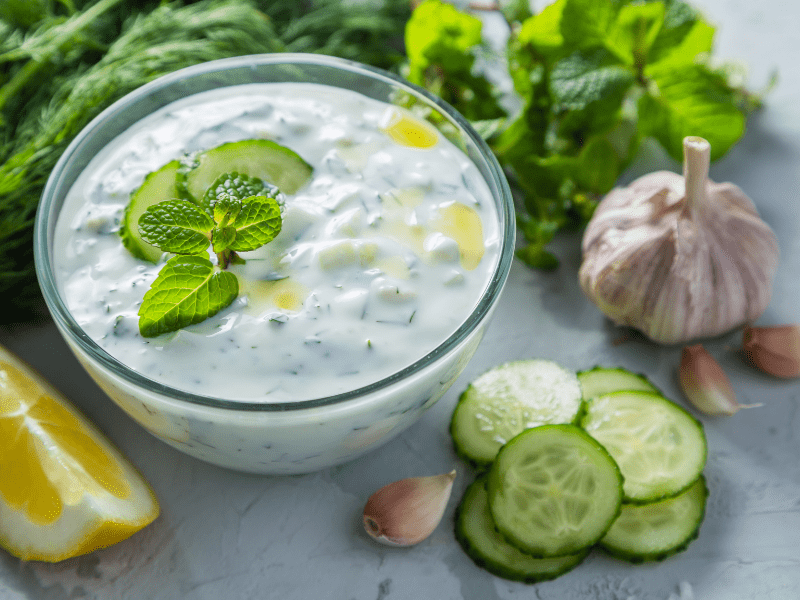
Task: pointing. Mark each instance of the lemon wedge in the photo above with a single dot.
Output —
(65, 490)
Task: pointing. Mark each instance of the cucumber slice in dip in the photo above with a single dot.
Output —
(157, 187)
(264, 159)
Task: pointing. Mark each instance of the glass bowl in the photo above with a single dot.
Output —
(289, 437)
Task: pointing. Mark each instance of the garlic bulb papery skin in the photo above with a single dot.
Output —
(405, 512)
(679, 257)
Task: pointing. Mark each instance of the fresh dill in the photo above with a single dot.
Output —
(94, 52)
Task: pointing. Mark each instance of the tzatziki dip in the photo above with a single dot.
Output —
(383, 253)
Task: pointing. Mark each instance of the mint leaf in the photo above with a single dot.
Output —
(188, 290)
(584, 78)
(257, 223)
(536, 257)
(437, 30)
(222, 238)
(585, 23)
(440, 43)
(237, 186)
(225, 209)
(516, 10)
(176, 226)
(635, 30)
(537, 233)
(589, 86)
(598, 166)
(542, 31)
(690, 100)
(682, 37)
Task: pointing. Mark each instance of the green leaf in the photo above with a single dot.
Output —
(598, 166)
(690, 100)
(176, 226)
(536, 257)
(538, 233)
(682, 37)
(589, 86)
(441, 44)
(238, 186)
(634, 31)
(222, 238)
(524, 137)
(542, 31)
(585, 23)
(258, 222)
(584, 78)
(438, 30)
(516, 10)
(188, 290)
(489, 128)
(226, 208)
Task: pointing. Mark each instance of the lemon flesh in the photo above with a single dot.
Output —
(65, 490)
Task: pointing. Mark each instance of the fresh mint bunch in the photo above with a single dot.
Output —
(595, 78)
(443, 44)
(237, 214)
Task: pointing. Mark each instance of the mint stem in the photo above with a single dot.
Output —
(228, 257)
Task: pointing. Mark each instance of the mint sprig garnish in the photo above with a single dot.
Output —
(188, 290)
(176, 226)
(238, 214)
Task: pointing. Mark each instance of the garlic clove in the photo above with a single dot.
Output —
(406, 512)
(774, 350)
(705, 384)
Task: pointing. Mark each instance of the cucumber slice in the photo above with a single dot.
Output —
(660, 529)
(603, 380)
(263, 159)
(158, 186)
(476, 533)
(659, 447)
(553, 490)
(509, 399)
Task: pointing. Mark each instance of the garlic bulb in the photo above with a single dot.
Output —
(679, 258)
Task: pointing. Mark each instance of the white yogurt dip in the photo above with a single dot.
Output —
(381, 257)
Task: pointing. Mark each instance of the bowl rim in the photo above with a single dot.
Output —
(68, 326)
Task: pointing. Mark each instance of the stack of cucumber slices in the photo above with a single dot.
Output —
(572, 461)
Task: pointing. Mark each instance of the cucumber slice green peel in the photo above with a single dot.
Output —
(157, 187)
(476, 533)
(660, 448)
(263, 159)
(658, 530)
(603, 380)
(259, 161)
(553, 491)
(508, 399)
